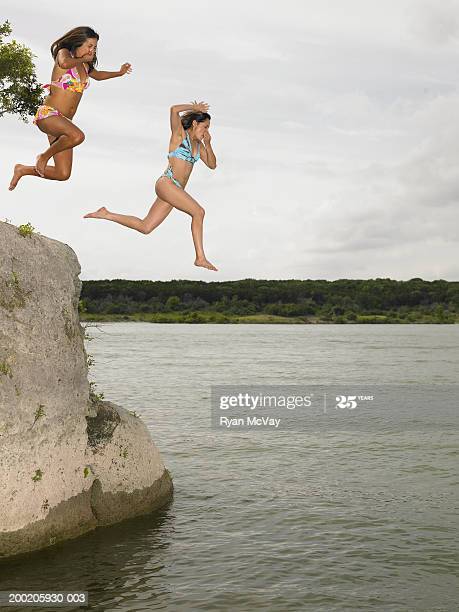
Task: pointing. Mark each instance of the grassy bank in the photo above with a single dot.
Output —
(218, 317)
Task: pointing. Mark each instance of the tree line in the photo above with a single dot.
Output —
(327, 300)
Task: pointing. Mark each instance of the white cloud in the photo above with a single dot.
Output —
(436, 24)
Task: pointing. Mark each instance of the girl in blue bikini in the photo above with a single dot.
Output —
(188, 133)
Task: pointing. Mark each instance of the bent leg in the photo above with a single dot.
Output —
(156, 215)
(58, 130)
(62, 168)
(180, 199)
(65, 135)
(59, 172)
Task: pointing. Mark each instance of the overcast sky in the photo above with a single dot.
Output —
(335, 126)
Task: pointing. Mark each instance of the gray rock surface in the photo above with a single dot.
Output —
(69, 462)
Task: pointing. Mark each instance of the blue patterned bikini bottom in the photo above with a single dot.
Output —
(169, 173)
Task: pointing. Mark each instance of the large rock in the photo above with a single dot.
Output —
(69, 462)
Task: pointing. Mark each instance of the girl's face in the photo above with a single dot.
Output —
(201, 128)
(89, 47)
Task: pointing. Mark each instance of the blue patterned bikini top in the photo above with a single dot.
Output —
(183, 151)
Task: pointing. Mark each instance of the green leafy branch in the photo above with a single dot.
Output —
(20, 92)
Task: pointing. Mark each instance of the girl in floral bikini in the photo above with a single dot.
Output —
(75, 59)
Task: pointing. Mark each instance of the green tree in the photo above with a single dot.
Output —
(173, 303)
(20, 93)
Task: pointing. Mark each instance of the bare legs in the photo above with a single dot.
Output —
(156, 215)
(64, 135)
(169, 196)
(59, 172)
(182, 200)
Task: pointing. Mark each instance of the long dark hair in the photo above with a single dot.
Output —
(74, 39)
(190, 116)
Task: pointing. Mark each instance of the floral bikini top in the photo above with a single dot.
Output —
(71, 81)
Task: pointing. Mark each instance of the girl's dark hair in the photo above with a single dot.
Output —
(74, 39)
(190, 116)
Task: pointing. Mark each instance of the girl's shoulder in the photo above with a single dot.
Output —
(62, 54)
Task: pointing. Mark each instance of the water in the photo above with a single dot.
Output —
(320, 519)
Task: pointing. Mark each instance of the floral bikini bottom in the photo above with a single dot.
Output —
(43, 112)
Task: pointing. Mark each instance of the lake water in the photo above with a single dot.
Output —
(322, 518)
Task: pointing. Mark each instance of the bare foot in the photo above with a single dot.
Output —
(17, 174)
(203, 263)
(40, 165)
(100, 213)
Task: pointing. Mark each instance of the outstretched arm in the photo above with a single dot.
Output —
(207, 154)
(176, 124)
(103, 75)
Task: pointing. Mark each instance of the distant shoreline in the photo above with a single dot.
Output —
(299, 302)
(217, 317)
